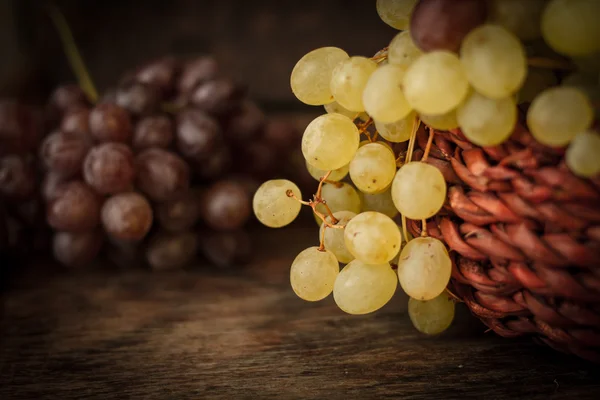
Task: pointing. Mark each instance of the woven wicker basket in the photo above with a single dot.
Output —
(525, 238)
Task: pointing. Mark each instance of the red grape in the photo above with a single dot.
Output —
(180, 213)
(198, 134)
(138, 98)
(245, 125)
(77, 249)
(110, 123)
(127, 216)
(214, 165)
(226, 249)
(76, 208)
(109, 168)
(197, 71)
(218, 97)
(63, 153)
(52, 185)
(77, 122)
(153, 131)
(159, 73)
(17, 177)
(161, 174)
(282, 135)
(225, 205)
(167, 251)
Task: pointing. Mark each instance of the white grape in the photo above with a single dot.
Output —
(583, 155)
(435, 83)
(336, 174)
(348, 82)
(442, 122)
(373, 168)
(333, 238)
(383, 97)
(364, 288)
(520, 17)
(418, 190)
(485, 121)
(313, 274)
(424, 268)
(339, 197)
(312, 74)
(336, 108)
(571, 26)
(431, 317)
(398, 131)
(372, 237)
(402, 51)
(330, 141)
(494, 60)
(379, 202)
(272, 206)
(395, 13)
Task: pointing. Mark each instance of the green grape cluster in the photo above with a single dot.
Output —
(463, 65)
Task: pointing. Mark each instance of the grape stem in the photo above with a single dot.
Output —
(424, 228)
(334, 183)
(411, 146)
(291, 194)
(382, 55)
(428, 147)
(362, 128)
(542, 62)
(320, 187)
(453, 296)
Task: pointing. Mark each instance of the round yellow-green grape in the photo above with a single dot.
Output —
(336, 108)
(398, 131)
(520, 17)
(336, 174)
(379, 202)
(383, 97)
(330, 141)
(366, 142)
(402, 51)
(333, 238)
(558, 114)
(363, 288)
(494, 60)
(435, 83)
(395, 13)
(313, 274)
(373, 168)
(339, 197)
(485, 121)
(372, 237)
(424, 268)
(571, 26)
(431, 317)
(272, 206)
(418, 190)
(348, 82)
(536, 82)
(583, 154)
(442, 122)
(312, 74)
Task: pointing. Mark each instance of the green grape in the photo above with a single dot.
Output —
(367, 141)
(571, 26)
(558, 114)
(330, 141)
(348, 81)
(402, 51)
(312, 74)
(442, 122)
(536, 82)
(363, 288)
(336, 174)
(583, 155)
(336, 108)
(485, 121)
(373, 167)
(313, 274)
(494, 60)
(379, 202)
(333, 238)
(395, 13)
(272, 206)
(398, 131)
(418, 190)
(339, 197)
(519, 17)
(383, 97)
(424, 268)
(435, 83)
(431, 317)
(372, 237)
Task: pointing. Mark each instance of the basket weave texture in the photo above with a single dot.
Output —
(525, 238)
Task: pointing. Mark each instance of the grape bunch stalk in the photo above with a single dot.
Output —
(467, 68)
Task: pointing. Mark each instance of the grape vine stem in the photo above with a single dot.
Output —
(428, 147)
(411, 146)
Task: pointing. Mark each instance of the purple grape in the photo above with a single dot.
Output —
(127, 216)
(246, 124)
(225, 206)
(161, 174)
(110, 123)
(109, 168)
(77, 122)
(226, 249)
(197, 71)
(198, 134)
(63, 153)
(76, 250)
(217, 97)
(76, 208)
(17, 177)
(138, 98)
(153, 131)
(180, 213)
(168, 251)
(159, 73)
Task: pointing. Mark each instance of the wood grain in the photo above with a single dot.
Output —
(244, 335)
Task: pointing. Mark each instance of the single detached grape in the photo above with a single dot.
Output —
(348, 81)
(336, 174)
(333, 238)
(536, 82)
(76, 208)
(179, 213)
(431, 317)
(364, 288)
(161, 174)
(339, 197)
(442, 24)
(442, 122)
(153, 131)
(571, 26)
(330, 141)
(226, 249)
(424, 268)
(272, 206)
(485, 121)
(110, 123)
(168, 251)
(395, 13)
(383, 97)
(373, 168)
(558, 114)
(418, 190)
(127, 216)
(109, 168)
(225, 205)
(379, 202)
(398, 131)
(435, 83)
(311, 75)
(313, 274)
(336, 108)
(494, 60)
(583, 154)
(198, 134)
(372, 237)
(520, 17)
(76, 249)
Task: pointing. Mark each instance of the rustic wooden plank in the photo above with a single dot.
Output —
(244, 334)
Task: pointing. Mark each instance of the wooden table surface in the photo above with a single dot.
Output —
(202, 334)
